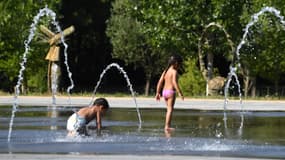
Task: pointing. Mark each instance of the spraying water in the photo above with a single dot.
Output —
(236, 64)
(128, 82)
(206, 73)
(54, 81)
(231, 74)
(43, 12)
(14, 109)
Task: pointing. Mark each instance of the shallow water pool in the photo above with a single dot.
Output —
(247, 134)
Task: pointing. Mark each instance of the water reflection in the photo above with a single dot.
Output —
(53, 114)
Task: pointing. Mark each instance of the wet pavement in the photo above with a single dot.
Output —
(129, 102)
(112, 157)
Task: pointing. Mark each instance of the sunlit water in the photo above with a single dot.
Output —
(40, 130)
(122, 71)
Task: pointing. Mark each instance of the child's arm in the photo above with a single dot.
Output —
(98, 121)
(159, 86)
(176, 85)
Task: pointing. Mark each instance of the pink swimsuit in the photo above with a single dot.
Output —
(167, 93)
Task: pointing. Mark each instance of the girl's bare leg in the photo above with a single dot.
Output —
(170, 104)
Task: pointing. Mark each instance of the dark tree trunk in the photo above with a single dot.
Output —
(147, 84)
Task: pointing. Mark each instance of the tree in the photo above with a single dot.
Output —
(178, 24)
(264, 53)
(129, 42)
(89, 48)
(16, 18)
(214, 47)
(148, 32)
(263, 45)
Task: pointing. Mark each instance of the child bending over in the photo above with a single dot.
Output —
(76, 123)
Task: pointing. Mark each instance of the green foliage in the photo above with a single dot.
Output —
(38, 82)
(176, 26)
(263, 53)
(169, 26)
(192, 82)
(16, 17)
(130, 42)
(125, 35)
(143, 33)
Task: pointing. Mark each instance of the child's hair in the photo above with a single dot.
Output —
(101, 101)
(175, 58)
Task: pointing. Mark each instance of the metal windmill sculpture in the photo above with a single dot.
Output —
(53, 54)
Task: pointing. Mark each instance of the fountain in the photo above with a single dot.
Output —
(54, 82)
(128, 83)
(236, 63)
(43, 12)
(197, 132)
(206, 72)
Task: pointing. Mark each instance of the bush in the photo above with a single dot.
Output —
(38, 81)
(192, 82)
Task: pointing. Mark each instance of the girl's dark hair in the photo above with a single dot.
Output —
(175, 58)
(101, 101)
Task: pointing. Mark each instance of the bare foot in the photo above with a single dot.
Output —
(168, 132)
(169, 129)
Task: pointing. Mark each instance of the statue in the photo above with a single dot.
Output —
(53, 54)
(216, 85)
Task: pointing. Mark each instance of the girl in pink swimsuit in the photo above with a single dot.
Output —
(167, 93)
(169, 82)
